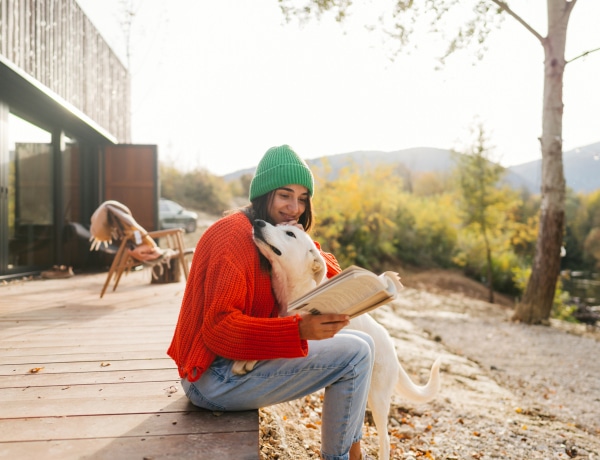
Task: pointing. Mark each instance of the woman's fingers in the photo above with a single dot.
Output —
(317, 327)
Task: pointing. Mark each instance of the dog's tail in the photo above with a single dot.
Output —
(420, 393)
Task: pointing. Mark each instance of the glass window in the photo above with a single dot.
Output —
(71, 188)
(30, 195)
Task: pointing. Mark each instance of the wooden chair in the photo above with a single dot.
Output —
(123, 261)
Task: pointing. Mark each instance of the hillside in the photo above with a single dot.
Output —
(582, 169)
(581, 165)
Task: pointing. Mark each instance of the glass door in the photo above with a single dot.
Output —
(29, 224)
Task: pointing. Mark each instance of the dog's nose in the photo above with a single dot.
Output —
(260, 223)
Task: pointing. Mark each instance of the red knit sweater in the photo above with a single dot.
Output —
(228, 308)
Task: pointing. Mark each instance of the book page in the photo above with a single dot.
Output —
(352, 292)
(371, 282)
(393, 278)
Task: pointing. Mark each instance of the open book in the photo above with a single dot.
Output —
(352, 292)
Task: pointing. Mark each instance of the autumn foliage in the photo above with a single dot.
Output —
(371, 217)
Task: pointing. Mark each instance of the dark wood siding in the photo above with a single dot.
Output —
(131, 177)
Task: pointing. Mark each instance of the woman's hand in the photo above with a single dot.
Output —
(143, 252)
(317, 327)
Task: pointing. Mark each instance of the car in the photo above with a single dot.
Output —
(173, 215)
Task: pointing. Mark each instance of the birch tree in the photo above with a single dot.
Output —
(478, 176)
(536, 303)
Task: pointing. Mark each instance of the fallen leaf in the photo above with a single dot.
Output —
(104, 364)
(35, 370)
(172, 389)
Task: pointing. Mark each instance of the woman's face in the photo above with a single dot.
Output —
(288, 204)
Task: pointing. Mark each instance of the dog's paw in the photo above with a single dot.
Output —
(243, 367)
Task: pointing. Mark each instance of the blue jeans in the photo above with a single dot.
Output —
(342, 365)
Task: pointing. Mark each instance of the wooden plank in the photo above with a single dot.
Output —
(98, 334)
(92, 335)
(93, 391)
(30, 325)
(94, 332)
(238, 445)
(65, 357)
(117, 304)
(141, 295)
(72, 359)
(130, 425)
(87, 378)
(75, 340)
(132, 349)
(24, 370)
(94, 405)
(84, 290)
(93, 329)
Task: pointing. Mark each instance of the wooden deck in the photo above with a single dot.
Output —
(84, 377)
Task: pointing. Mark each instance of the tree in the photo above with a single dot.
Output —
(356, 215)
(198, 189)
(478, 177)
(536, 304)
(583, 231)
(537, 301)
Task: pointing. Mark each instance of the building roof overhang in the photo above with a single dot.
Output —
(37, 103)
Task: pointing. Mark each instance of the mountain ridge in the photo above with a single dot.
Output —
(581, 166)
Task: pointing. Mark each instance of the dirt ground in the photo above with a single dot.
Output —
(509, 391)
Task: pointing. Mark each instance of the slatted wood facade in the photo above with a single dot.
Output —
(55, 43)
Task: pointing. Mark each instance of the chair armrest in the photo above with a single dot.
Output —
(161, 233)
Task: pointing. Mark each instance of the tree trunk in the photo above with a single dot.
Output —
(490, 272)
(490, 277)
(536, 305)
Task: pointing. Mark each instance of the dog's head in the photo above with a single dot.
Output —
(296, 263)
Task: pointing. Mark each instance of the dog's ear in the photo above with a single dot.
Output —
(317, 270)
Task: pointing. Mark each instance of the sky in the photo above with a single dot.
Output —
(217, 83)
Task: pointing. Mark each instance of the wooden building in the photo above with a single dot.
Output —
(64, 138)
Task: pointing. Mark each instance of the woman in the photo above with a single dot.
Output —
(229, 313)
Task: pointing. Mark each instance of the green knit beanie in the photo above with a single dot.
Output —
(278, 167)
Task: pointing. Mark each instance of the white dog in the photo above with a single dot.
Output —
(297, 267)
